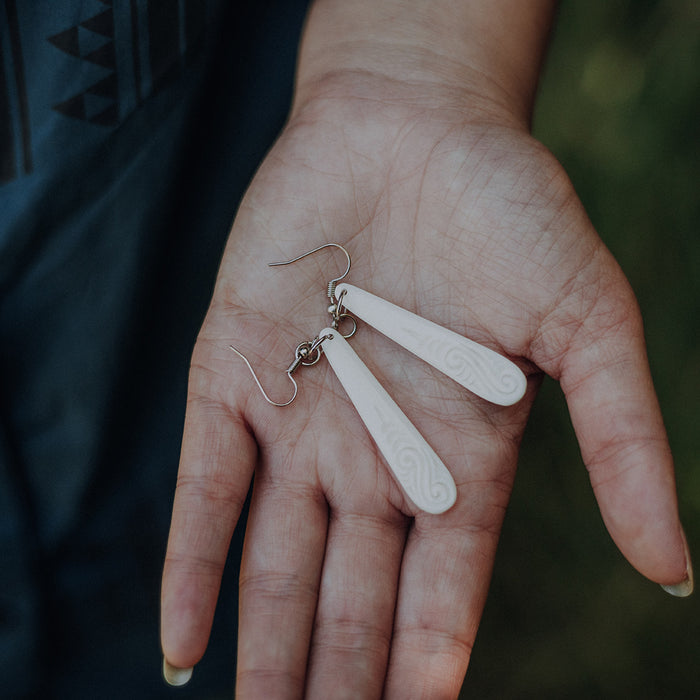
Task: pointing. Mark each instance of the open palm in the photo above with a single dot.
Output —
(346, 589)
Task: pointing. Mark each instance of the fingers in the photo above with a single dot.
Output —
(436, 617)
(353, 627)
(444, 581)
(606, 379)
(317, 598)
(217, 460)
(280, 572)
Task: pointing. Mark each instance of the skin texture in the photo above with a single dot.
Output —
(450, 209)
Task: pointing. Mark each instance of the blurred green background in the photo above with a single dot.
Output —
(567, 617)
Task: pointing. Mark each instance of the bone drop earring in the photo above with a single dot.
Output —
(414, 464)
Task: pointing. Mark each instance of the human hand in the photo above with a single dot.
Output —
(451, 210)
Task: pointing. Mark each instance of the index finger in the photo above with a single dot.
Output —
(216, 465)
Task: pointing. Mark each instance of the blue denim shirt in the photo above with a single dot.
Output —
(128, 133)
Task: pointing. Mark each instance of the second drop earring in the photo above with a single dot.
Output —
(412, 461)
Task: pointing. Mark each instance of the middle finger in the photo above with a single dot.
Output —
(354, 619)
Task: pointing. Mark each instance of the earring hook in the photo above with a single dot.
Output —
(307, 354)
(257, 381)
(332, 284)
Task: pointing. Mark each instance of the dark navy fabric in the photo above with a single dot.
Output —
(128, 133)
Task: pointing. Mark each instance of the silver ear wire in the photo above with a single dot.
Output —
(336, 308)
(332, 284)
(306, 354)
(257, 381)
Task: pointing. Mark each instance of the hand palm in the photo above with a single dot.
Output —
(472, 225)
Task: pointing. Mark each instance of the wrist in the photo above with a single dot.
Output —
(487, 51)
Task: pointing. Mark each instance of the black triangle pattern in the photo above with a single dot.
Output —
(68, 41)
(105, 88)
(74, 107)
(101, 24)
(104, 56)
(107, 117)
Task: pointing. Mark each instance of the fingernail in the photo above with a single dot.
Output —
(685, 587)
(174, 675)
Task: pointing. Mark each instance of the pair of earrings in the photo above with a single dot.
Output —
(416, 466)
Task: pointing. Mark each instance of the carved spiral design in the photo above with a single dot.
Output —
(417, 469)
(473, 367)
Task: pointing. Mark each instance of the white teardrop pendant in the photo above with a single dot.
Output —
(477, 368)
(421, 473)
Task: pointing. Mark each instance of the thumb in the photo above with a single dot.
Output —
(604, 373)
